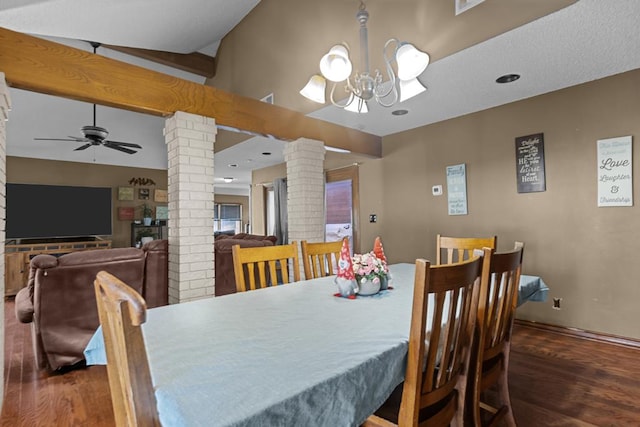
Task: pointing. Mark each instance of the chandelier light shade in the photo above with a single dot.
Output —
(411, 62)
(400, 84)
(314, 89)
(335, 65)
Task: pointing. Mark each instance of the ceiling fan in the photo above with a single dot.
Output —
(96, 135)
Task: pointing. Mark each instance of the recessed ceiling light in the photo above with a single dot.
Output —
(233, 165)
(508, 78)
(227, 179)
(266, 153)
(399, 112)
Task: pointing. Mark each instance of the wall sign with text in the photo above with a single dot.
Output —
(530, 163)
(615, 174)
(457, 189)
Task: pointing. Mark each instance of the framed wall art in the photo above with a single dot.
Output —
(457, 189)
(615, 172)
(125, 193)
(160, 196)
(530, 163)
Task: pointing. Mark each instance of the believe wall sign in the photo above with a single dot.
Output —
(530, 163)
(615, 173)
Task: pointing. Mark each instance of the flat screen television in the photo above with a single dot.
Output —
(53, 211)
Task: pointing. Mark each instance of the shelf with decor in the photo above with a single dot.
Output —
(157, 230)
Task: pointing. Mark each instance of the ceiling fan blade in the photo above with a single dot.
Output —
(119, 148)
(74, 139)
(84, 147)
(124, 144)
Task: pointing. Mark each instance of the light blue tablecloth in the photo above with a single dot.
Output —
(532, 288)
(294, 355)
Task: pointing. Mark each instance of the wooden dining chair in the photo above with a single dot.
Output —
(122, 311)
(264, 266)
(496, 313)
(320, 259)
(445, 299)
(458, 249)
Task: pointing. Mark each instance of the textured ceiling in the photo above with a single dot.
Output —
(166, 25)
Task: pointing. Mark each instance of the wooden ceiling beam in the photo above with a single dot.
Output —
(195, 63)
(39, 65)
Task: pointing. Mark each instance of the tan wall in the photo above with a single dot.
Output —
(259, 178)
(34, 171)
(587, 255)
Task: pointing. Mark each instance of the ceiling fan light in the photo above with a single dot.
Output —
(411, 61)
(314, 89)
(410, 88)
(335, 65)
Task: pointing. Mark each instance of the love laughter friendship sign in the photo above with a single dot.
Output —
(615, 174)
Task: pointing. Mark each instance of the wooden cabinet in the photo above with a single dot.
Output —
(17, 258)
(16, 272)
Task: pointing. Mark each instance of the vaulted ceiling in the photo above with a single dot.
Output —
(551, 43)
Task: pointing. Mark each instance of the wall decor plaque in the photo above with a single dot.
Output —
(160, 196)
(530, 163)
(125, 193)
(457, 189)
(615, 172)
(125, 213)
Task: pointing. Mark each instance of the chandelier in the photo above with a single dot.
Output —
(335, 66)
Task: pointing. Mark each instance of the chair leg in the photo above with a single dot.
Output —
(503, 393)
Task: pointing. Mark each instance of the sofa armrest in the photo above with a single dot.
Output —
(24, 306)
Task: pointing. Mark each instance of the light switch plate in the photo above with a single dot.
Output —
(436, 190)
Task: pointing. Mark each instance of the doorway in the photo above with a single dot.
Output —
(342, 206)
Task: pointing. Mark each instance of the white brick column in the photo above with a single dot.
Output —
(5, 106)
(190, 140)
(305, 190)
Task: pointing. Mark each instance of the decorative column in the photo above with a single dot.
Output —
(305, 190)
(5, 106)
(190, 139)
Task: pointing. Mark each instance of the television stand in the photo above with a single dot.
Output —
(18, 254)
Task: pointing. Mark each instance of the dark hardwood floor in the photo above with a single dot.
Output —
(555, 380)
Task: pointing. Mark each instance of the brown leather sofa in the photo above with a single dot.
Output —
(59, 300)
(225, 278)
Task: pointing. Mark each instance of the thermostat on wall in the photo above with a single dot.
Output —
(436, 190)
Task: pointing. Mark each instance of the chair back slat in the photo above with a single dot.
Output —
(121, 311)
(265, 266)
(458, 249)
(320, 259)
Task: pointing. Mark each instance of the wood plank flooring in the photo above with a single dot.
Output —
(555, 380)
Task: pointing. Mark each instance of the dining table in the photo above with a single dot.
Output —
(289, 355)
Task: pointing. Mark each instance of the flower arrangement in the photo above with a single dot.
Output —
(368, 266)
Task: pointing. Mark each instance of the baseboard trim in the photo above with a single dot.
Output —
(579, 333)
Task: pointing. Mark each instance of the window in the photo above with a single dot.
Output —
(227, 217)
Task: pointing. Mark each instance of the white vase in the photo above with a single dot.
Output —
(146, 220)
(369, 287)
